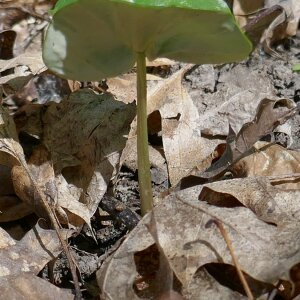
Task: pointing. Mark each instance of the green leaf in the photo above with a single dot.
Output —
(296, 67)
(93, 39)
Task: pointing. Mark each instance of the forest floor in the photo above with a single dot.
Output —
(224, 146)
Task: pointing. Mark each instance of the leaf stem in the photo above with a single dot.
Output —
(142, 137)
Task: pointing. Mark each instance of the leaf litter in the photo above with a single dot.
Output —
(225, 125)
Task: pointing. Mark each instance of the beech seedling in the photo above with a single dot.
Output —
(89, 40)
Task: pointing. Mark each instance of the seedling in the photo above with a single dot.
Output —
(93, 39)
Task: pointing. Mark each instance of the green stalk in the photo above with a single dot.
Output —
(142, 137)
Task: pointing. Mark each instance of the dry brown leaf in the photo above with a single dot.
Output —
(124, 87)
(25, 66)
(9, 142)
(205, 286)
(68, 208)
(160, 62)
(85, 136)
(241, 97)
(28, 286)
(173, 112)
(75, 173)
(190, 240)
(267, 198)
(171, 109)
(270, 20)
(270, 113)
(29, 255)
(269, 160)
(21, 260)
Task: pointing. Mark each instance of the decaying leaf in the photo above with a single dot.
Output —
(171, 110)
(237, 97)
(266, 197)
(24, 66)
(270, 20)
(11, 207)
(75, 170)
(124, 87)
(29, 255)
(270, 113)
(22, 260)
(190, 241)
(85, 136)
(28, 286)
(11, 152)
(68, 208)
(269, 160)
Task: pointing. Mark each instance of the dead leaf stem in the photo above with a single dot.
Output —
(234, 258)
(56, 227)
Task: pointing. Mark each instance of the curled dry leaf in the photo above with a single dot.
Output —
(237, 97)
(11, 152)
(270, 20)
(11, 207)
(266, 197)
(190, 240)
(269, 160)
(124, 87)
(25, 66)
(189, 137)
(270, 113)
(79, 163)
(67, 206)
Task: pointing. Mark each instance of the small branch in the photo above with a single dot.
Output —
(234, 258)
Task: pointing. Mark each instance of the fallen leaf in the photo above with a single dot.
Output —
(124, 87)
(28, 286)
(270, 113)
(9, 142)
(85, 136)
(171, 110)
(75, 173)
(189, 239)
(67, 206)
(25, 66)
(269, 160)
(29, 255)
(267, 197)
(269, 21)
(22, 260)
